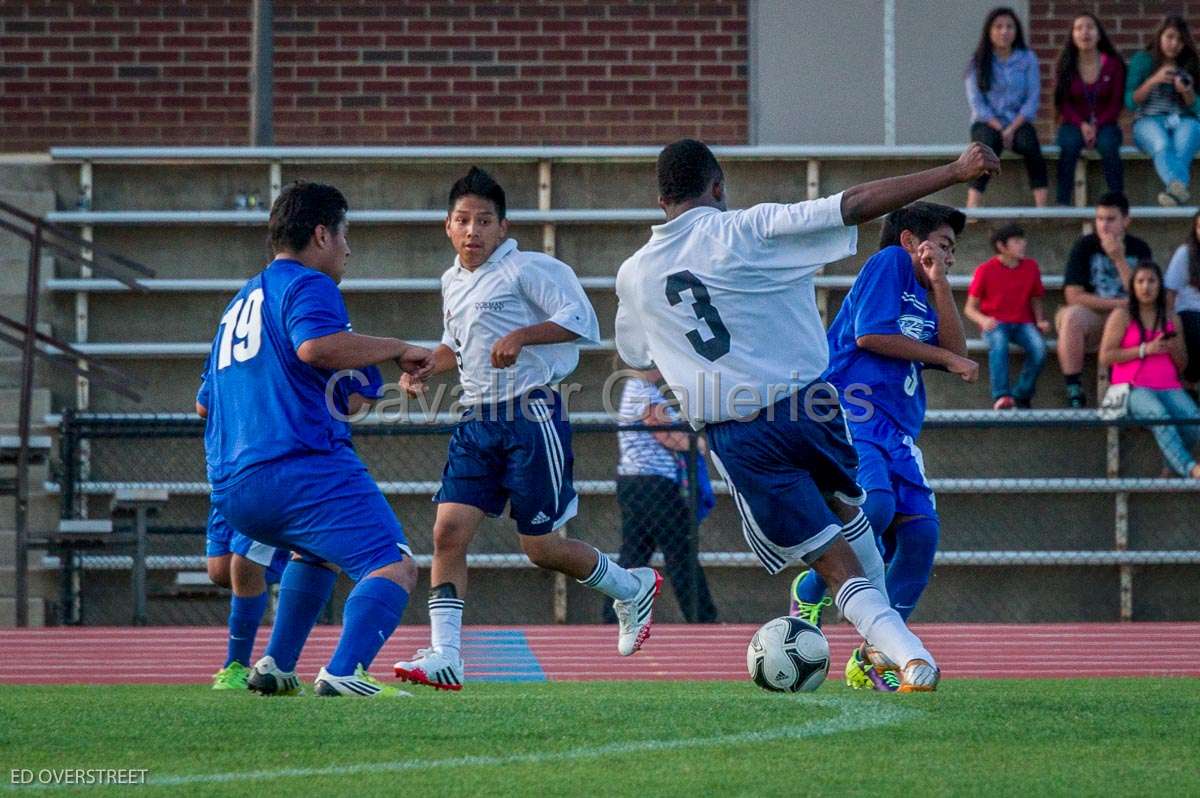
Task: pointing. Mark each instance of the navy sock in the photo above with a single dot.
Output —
(245, 614)
(811, 588)
(372, 611)
(908, 573)
(303, 591)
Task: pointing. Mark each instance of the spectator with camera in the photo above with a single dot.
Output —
(1088, 95)
(1005, 300)
(1183, 296)
(1142, 346)
(1161, 91)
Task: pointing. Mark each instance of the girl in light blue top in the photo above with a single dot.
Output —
(1003, 88)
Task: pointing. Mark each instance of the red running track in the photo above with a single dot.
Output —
(175, 655)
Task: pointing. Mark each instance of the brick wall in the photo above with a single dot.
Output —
(370, 72)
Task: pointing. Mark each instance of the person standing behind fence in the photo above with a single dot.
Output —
(1161, 91)
(1003, 88)
(1142, 347)
(1089, 92)
(655, 499)
(1005, 300)
(1183, 296)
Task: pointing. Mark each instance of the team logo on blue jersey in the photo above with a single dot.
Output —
(917, 328)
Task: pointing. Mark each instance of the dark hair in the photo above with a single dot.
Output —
(478, 183)
(299, 209)
(686, 168)
(1068, 59)
(1011, 230)
(920, 219)
(1193, 245)
(981, 61)
(1114, 199)
(1187, 60)
(1160, 301)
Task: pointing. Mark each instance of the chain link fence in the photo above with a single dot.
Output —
(1045, 515)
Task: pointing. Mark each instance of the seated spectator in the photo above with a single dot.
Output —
(1003, 89)
(1183, 296)
(1161, 91)
(1088, 93)
(1142, 348)
(651, 492)
(1005, 300)
(1098, 269)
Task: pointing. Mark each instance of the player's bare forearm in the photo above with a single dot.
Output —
(547, 332)
(951, 335)
(443, 359)
(868, 201)
(347, 350)
(902, 347)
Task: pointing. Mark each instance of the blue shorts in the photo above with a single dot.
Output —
(782, 468)
(890, 460)
(516, 453)
(222, 539)
(324, 507)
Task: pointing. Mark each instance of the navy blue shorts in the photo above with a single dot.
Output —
(782, 468)
(516, 453)
(324, 507)
(222, 539)
(890, 460)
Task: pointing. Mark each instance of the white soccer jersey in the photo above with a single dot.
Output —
(722, 302)
(511, 290)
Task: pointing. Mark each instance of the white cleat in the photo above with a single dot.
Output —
(266, 679)
(432, 668)
(636, 615)
(358, 685)
(919, 676)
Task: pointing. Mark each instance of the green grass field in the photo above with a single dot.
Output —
(1110, 737)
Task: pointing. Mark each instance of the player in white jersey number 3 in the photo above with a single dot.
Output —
(723, 304)
(513, 321)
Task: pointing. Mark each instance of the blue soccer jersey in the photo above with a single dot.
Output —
(264, 403)
(886, 299)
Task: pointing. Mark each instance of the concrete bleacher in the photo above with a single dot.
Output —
(169, 208)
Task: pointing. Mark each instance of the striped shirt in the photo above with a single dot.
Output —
(641, 453)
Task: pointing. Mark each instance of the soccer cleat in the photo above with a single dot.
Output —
(919, 677)
(636, 615)
(862, 674)
(232, 677)
(266, 679)
(804, 610)
(432, 668)
(359, 685)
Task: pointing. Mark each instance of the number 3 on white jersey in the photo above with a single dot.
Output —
(243, 321)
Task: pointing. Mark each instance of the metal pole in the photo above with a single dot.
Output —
(139, 568)
(693, 540)
(26, 411)
(262, 133)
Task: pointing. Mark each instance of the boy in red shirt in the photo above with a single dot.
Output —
(1005, 301)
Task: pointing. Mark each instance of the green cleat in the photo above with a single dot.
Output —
(804, 610)
(232, 677)
(861, 674)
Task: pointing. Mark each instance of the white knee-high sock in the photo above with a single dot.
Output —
(861, 537)
(880, 625)
(611, 579)
(445, 625)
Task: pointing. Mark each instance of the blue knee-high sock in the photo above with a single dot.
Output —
(879, 508)
(245, 614)
(908, 574)
(303, 591)
(372, 611)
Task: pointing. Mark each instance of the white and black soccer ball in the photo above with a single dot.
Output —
(788, 655)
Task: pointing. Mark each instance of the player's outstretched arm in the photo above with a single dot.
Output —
(902, 347)
(506, 350)
(443, 360)
(868, 201)
(347, 350)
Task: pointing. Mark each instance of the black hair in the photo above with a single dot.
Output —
(1068, 59)
(1011, 230)
(1193, 245)
(1187, 59)
(920, 219)
(686, 168)
(1114, 199)
(1160, 301)
(981, 61)
(299, 209)
(478, 183)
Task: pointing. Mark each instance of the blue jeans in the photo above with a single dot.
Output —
(1171, 144)
(1070, 144)
(1028, 337)
(1176, 440)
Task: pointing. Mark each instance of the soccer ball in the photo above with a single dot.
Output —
(788, 655)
